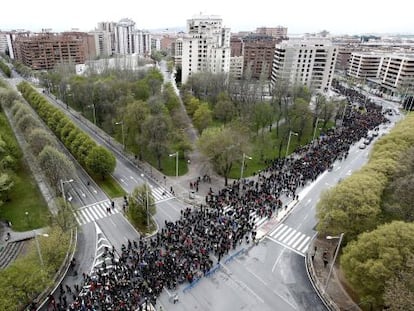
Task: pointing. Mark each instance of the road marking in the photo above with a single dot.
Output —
(277, 260)
(310, 200)
(285, 246)
(306, 216)
(123, 181)
(253, 273)
(241, 283)
(337, 169)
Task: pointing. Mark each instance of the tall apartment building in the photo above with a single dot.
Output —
(258, 53)
(124, 36)
(310, 62)
(129, 40)
(363, 65)
(205, 47)
(45, 50)
(278, 32)
(396, 73)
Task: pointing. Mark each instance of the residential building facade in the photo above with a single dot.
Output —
(45, 50)
(205, 47)
(363, 65)
(310, 62)
(258, 54)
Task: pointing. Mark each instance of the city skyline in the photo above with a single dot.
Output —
(352, 17)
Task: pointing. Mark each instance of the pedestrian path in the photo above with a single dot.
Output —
(290, 238)
(95, 211)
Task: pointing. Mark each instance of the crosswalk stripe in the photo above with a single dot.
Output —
(284, 228)
(285, 233)
(304, 243)
(95, 211)
(289, 236)
(99, 210)
(88, 215)
(298, 240)
(293, 238)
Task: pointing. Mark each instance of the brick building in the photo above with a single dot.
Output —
(45, 50)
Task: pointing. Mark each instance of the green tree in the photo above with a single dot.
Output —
(224, 110)
(139, 199)
(38, 139)
(27, 124)
(154, 79)
(223, 146)
(156, 134)
(202, 117)
(64, 218)
(141, 90)
(353, 206)
(100, 161)
(135, 114)
(56, 166)
(6, 184)
(376, 257)
(399, 290)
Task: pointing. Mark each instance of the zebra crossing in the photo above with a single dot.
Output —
(160, 194)
(95, 211)
(99, 210)
(290, 238)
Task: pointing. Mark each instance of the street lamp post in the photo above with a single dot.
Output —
(62, 182)
(340, 237)
(38, 246)
(242, 166)
(146, 199)
(122, 132)
(288, 144)
(175, 154)
(316, 126)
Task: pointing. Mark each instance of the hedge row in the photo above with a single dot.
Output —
(5, 69)
(94, 158)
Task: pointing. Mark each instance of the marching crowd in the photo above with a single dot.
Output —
(188, 248)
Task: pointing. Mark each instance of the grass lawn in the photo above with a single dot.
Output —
(267, 147)
(25, 196)
(111, 187)
(168, 165)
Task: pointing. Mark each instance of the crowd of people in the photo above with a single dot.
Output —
(188, 248)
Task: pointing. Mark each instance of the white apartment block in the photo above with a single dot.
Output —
(363, 65)
(310, 62)
(3, 42)
(396, 73)
(129, 40)
(236, 66)
(206, 46)
(177, 51)
(124, 36)
(103, 43)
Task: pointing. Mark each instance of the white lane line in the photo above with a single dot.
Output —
(286, 247)
(241, 283)
(123, 181)
(253, 273)
(110, 219)
(308, 201)
(277, 260)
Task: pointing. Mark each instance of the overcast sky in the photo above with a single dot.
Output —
(300, 16)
